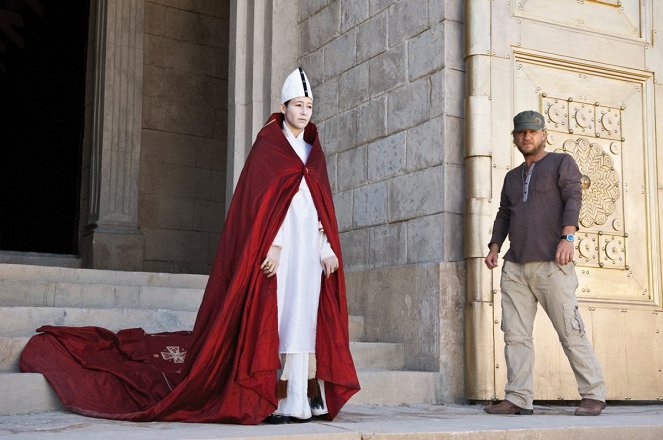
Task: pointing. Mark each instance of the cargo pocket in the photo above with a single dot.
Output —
(573, 320)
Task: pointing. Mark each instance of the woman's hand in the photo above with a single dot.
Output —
(330, 265)
(271, 261)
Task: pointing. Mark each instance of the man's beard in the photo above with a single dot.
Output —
(534, 152)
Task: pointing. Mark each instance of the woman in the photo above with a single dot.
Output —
(281, 222)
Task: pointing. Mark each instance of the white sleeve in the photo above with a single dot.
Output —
(278, 240)
(325, 248)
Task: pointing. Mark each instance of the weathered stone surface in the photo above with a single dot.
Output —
(454, 227)
(210, 185)
(353, 13)
(454, 147)
(387, 70)
(210, 154)
(189, 57)
(310, 7)
(340, 54)
(154, 50)
(353, 87)
(425, 239)
(325, 99)
(324, 26)
(454, 188)
(371, 120)
(155, 18)
(372, 37)
(370, 205)
(408, 106)
(426, 144)
(166, 212)
(448, 93)
(351, 168)
(454, 49)
(355, 249)
(386, 157)
(343, 207)
(178, 117)
(164, 244)
(152, 81)
(164, 147)
(436, 11)
(332, 167)
(339, 132)
(168, 180)
(380, 5)
(208, 215)
(213, 31)
(406, 19)
(195, 89)
(181, 25)
(388, 245)
(313, 66)
(426, 52)
(416, 194)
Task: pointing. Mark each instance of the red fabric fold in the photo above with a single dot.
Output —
(228, 373)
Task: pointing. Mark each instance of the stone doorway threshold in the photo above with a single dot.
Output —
(40, 259)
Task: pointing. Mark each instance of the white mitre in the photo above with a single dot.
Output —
(296, 85)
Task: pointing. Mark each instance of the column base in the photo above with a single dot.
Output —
(112, 249)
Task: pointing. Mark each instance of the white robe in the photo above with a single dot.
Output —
(298, 277)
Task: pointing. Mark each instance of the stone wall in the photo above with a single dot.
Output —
(185, 114)
(388, 81)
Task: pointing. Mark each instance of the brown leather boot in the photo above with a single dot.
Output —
(506, 407)
(590, 407)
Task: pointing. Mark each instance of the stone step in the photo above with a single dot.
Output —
(29, 392)
(95, 276)
(23, 321)
(39, 259)
(366, 355)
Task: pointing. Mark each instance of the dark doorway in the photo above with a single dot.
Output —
(42, 97)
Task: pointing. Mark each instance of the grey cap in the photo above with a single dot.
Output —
(528, 120)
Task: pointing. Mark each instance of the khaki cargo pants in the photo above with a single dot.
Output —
(554, 286)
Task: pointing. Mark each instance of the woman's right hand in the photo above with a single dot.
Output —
(271, 262)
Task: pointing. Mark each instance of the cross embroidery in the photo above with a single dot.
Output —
(174, 354)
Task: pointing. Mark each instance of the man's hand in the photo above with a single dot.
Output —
(564, 254)
(493, 256)
(271, 261)
(330, 265)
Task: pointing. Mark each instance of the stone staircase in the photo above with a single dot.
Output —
(31, 296)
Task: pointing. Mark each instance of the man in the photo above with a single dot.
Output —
(539, 209)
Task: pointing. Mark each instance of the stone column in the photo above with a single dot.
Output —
(262, 52)
(112, 237)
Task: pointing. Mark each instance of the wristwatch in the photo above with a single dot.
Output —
(567, 237)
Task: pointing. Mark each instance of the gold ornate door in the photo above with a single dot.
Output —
(590, 67)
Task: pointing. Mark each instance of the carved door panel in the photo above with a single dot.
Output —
(590, 68)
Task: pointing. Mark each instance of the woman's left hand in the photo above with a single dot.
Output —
(330, 265)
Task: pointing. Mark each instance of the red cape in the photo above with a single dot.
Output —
(229, 372)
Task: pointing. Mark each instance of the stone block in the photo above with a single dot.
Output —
(426, 52)
(408, 106)
(454, 45)
(212, 247)
(425, 239)
(351, 168)
(165, 212)
(356, 283)
(370, 205)
(208, 216)
(454, 226)
(426, 145)
(221, 57)
(386, 157)
(220, 91)
(190, 57)
(448, 93)
(210, 154)
(326, 99)
(353, 87)
(168, 180)
(416, 194)
(153, 81)
(170, 148)
(436, 11)
(454, 140)
(353, 12)
(324, 26)
(354, 245)
(181, 86)
(332, 166)
(169, 245)
(178, 117)
(388, 245)
(387, 70)
(455, 10)
(339, 132)
(376, 6)
(313, 65)
(154, 50)
(454, 188)
(112, 250)
(406, 19)
(343, 208)
(221, 125)
(213, 31)
(155, 18)
(308, 8)
(373, 122)
(182, 25)
(372, 37)
(341, 54)
(210, 185)
(187, 5)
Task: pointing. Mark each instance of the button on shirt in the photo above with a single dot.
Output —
(535, 205)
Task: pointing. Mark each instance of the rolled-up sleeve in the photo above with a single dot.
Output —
(501, 224)
(571, 191)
